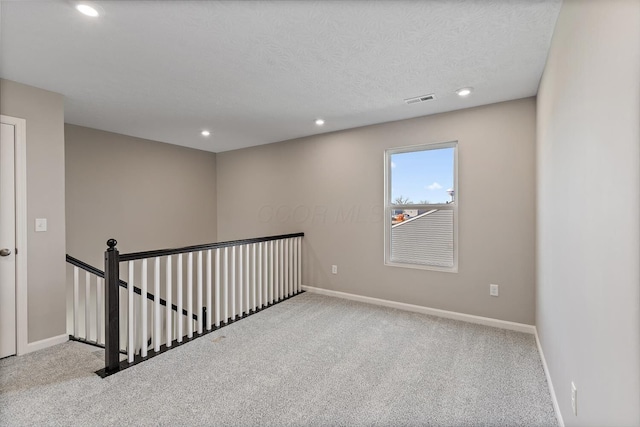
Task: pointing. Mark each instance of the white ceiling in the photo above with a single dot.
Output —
(255, 72)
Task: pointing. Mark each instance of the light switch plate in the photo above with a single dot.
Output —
(41, 224)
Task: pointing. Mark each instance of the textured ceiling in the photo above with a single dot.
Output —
(255, 72)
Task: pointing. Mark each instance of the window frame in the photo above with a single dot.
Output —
(388, 206)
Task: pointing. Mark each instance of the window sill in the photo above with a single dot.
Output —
(453, 269)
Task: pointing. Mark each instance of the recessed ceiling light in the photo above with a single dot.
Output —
(87, 10)
(205, 133)
(319, 122)
(465, 91)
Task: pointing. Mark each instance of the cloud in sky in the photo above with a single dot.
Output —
(393, 165)
(434, 186)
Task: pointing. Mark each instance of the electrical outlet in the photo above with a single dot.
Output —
(494, 290)
(334, 269)
(574, 398)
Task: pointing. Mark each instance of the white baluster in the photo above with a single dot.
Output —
(295, 265)
(226, 284)
(209, 306)
(233, 283)
(299, 263)
(254, 302)
(156, 306)
(259, 278)
(246, 280)
(190, 295)
(265, 277)
(217, 293)
(99, 310)
(282, 271)
(280, 275)
(87, 314)
(294, 276)
(76, 301)
(240, 276)
(131, 348)
(168, 316)
(274, 271)
(137, 323)
(285, 271)
(179, 317)
(291, 267)
(287, 277)
(199, 295)
(143, 304)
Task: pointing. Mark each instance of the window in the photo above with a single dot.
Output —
(421, 202)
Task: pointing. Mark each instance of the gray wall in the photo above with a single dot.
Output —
(331, 187)
(44, 114)
(588, 292)
(145, 194)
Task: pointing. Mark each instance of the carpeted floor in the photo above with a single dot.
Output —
(312, 360)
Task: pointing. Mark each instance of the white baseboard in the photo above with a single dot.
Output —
(487, 321)
(552, 391)
(48, 342)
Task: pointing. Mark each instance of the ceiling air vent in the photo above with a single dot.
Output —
(422, 98)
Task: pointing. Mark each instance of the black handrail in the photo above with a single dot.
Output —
(91, 269)
(83, 265)
(164, 252)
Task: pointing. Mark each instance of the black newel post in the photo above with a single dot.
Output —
(112, 307)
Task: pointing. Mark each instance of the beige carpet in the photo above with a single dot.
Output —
(312, 360)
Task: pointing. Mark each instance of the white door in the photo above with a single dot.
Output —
(7, 242)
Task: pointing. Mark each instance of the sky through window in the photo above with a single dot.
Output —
(422, 176)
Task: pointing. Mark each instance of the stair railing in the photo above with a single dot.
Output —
(87, 321)
(231, 280)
